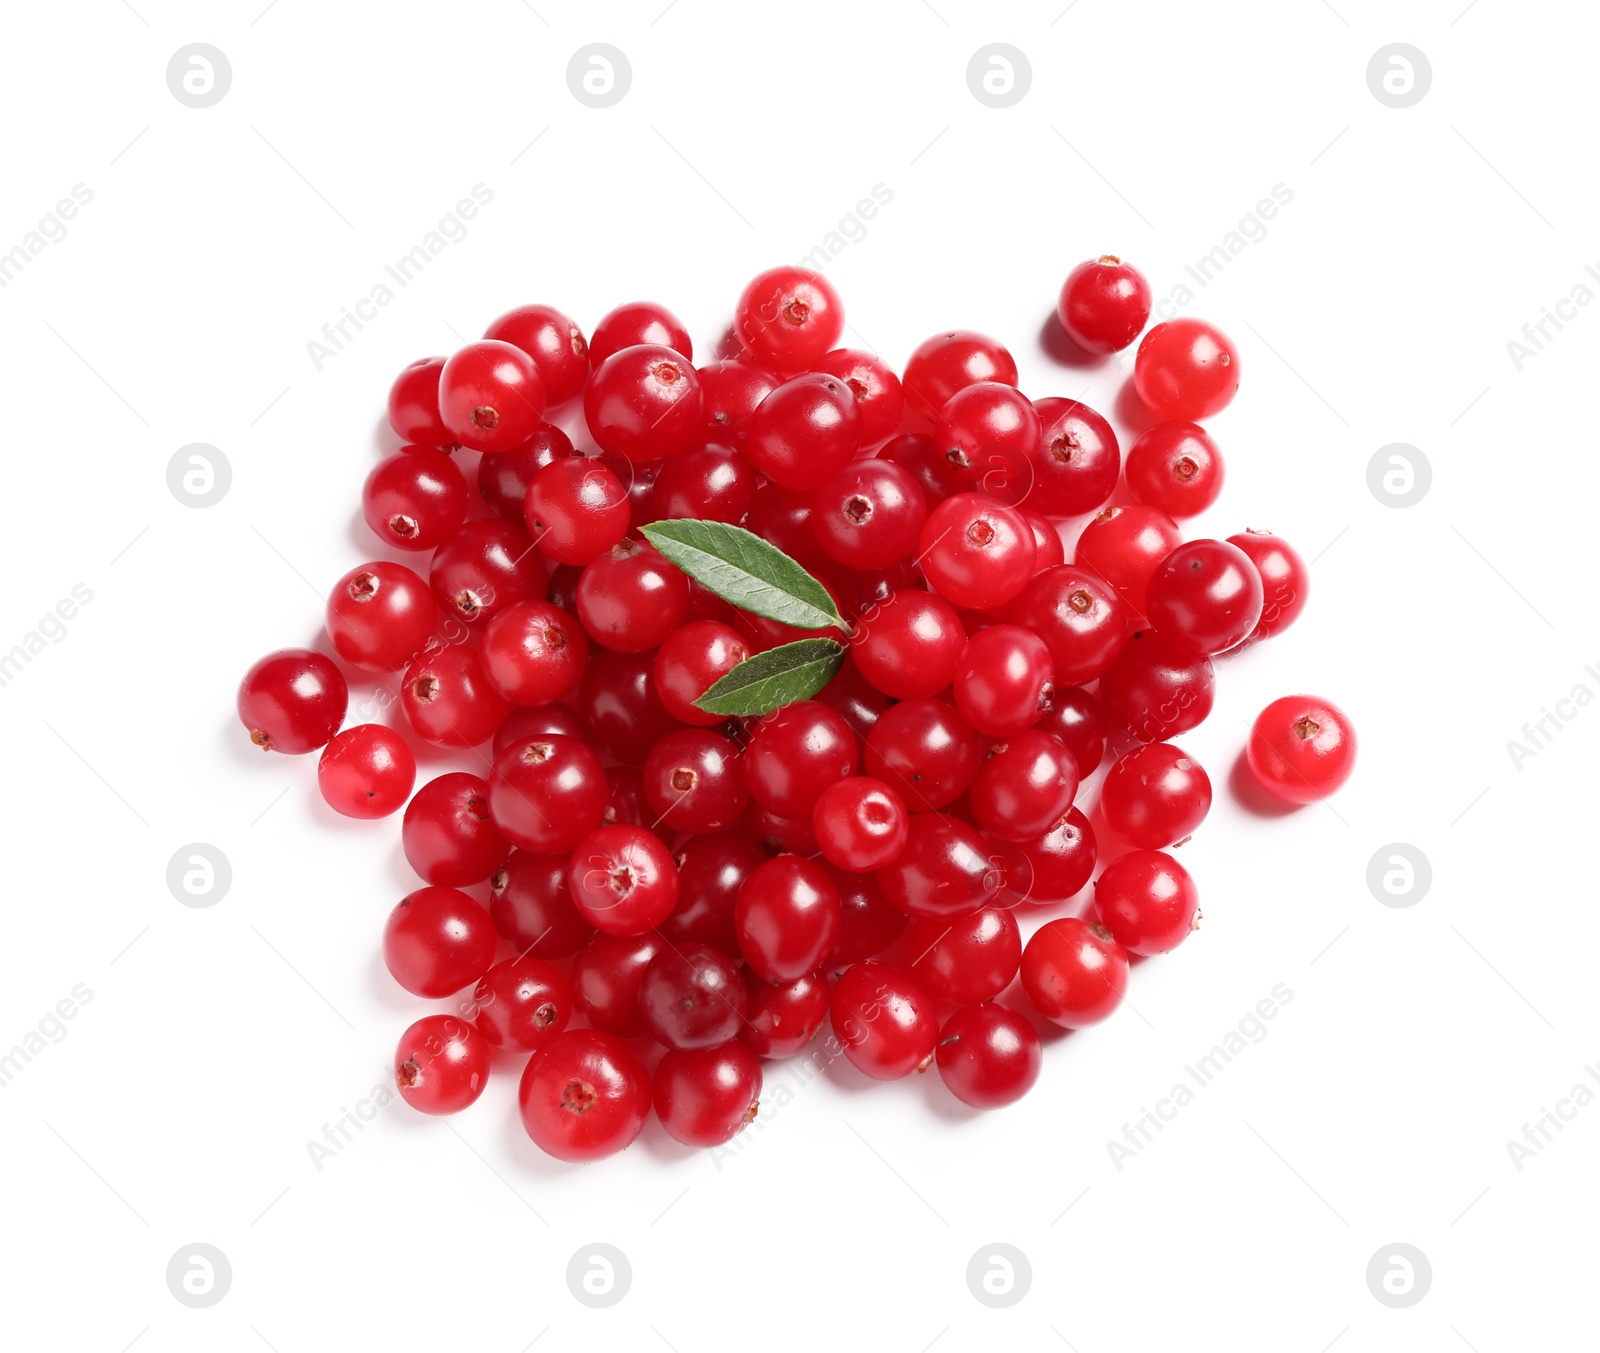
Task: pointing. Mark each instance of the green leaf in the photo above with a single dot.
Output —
(776, 678)
(746, 572)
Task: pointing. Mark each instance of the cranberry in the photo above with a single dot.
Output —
(441, 1064)
(1048, 548)
(485, 568)
(965, 959)
(553, 341)
(531, 906)
(605, 981)
(1148, 901)
(783, 519)
(638, 479)
(920, 455)
(576, 510)
(1285, 580)
(849, 693)
(292, 701)
(713, 483)
(861, 823)
(1155, 795)
(1124, 545)
(1075, 469)
(624, 797)
(945, 869)
(448, 834)
(787, 917)
(1104, 304)
(415, 498)
(926, 751)
(692, 997)
(1004, 680)
(949, 362)
(449, 699)
(705, 1096)
(690, 662)
(804, 432)
(584, 1095)
(788, 318)
(623, 880)
(780, 1019)
(503, 479)
(644, 403)
(380, 616)
(731, 392)
(1078, 615)
(988, 433)
(711, 870)
(1056, 865)
(630, 598)
(564, 587)
(536, 719)
(694, 781)
(879, 398)
(869, 514)
(1186, 369)
(1205, 596)
(1074, 972)
(885, 1020)
(988, 1056)
(1302, 748)
(522, 1003)
(908, 647)
(534, 653)
(1156, 690)
(1175, 468)
(366, 771)
(638, 322)
(778, 835)
(546, 794)
(795, 753)
(1024, 786)
(436, 941)
(977, 553)
(622, 711)
(490, 396)
(414, 404)
(1080, 723)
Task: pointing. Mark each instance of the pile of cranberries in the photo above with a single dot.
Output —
(671, 886)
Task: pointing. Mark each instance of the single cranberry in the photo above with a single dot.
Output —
(804, 432)
(949, 362)
(1285, 580)
(705, 1096)
(926, 751)
(522, 1003)
(1104, 304)
(711, 870)
(1156, 690)
(1205, 596)
(630, 598)
(988, 1056)
(977, 553)
(1076, 466)
(869, 514)
(584, 1095)
(638, 480)
(873, 382)
(531, 906)
(1078, 615)
(1124, 545)
(622, 710)
(867, 923)
(713, 483)
(534, 653)
(1155, 795)
(441, 1064)
(731, 391)
(1074, 972)
(694, 781)
(861, 823)
(486, 567)
(795, 753)
(449, 699)
(415, 498)
(564, 587)
(690, 662)
(366, 771)
(644, 403)
(448, 834)
(945, 869)
(292, 701)
(1005, 681)
(1148, 901)
(554, 342)
(861, 592)
(1055, 866)
(1024, 786)
(1049, 549)
(623, 880)
(414, 404)
(380, 616)
(546, 794)
(1080, 723)
(692, 996)
(1175, 468)
(861, 704)
(989, 433)
(624, 797)
(885, 1020)
(638, 322)
(786, 918)
(436, 941)
(965, 959)
(909, 647)
(1302, 748)
(605, 981)
(779, 835)
(920, 455)
(503, 479)
(781, 1018)
(490, 396)
(1186, 369)
(788, 318)
(576, 510)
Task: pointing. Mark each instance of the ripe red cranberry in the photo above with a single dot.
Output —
(503, 478)
(536, 719)
(415, 498)
(1074, 972)
(441, 1064)
(1302, 748)
(448, 834)
(1076, 466)
(624, 797)
(704, 1097)
(414, 405)
(638, 479)
(868, 514)
(380, 616)
(1205, 596)
(965, 959)
(638, 322)
(786, 918)
(1078, 615)
(436, 941)
(1175, 468)
(861, 823)
(1148, 901)
(292, 701)
(945, 869)
(692, 996)
(534, 653)
(694, 781)
(622, 712)
(630, 598)
(690, 662)
(1285, 580)
(605, 981)
(1005, 681)
(861, 704)
(490, 396)
(553, 341)
(926, 751)
(713, 483)
(920, 455)
(1024, 786)
(949, 362)
(623, 880)
(988, 1056)
(1055, 866)
(783, 518)
(977, 553)
(644, 403)
(546, 794)
(522, 1003)
(564, 587)
(449, 699)
(788, 318)
(804, 432)
(576, 510)
(1104, 304)
(711, 870)
(485, 568)
(781, 1018)
(885, 1019)
(366, 771)
(531, 906)
(873, 382)
(584, 1095)
(1155, 795)
(1186, 369)
(731, 391)
(1080, 723)
(867, 923)
(988, 433)
(794, 754)
(1124, 545)
(1156, 690)
(1048, 548)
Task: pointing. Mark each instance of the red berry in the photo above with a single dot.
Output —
(1104, 304)
(1005, 681)
(786, 918)
(606, 977)
(485, 568)
(449, 699)
(1186, 369)
(553, 341)
(623, 880)
(1124, 545)
(690, 662)
(534, 653)
(1302, 748)
(926, 751)
(536, 719)
(1078, 615)
(522, 1003)
(584, 1095)
(885, 1019)
(1175, 468)
(1049, 549)
(949, 362)
(694, 781)
(415, 498)
(414, 405)
(436, 941)
(867, 923)
(713, 483)
(849, 693)
(490, 396)
(989, 433)
(731, 392)
(546, 794)
(503, 479)
(366, 771)
(624, 797)
(1148, 901)
(630, 598)
(1155, 796)
(380, 616)
(576, 510)
(965, 959)
(988, 1056)
(909, 646)
(531, 906)
(705, 1096)
(783, 519)
(804, 432)
(441, 1064)
(1156, 690)
(920, 455)
(1074, 972)
(1055, 866)
(447, 832)
(1205, 596)
(788, 318)
(711, 870)
(638, 322)
(781, 1018)
(794, 754)
(977, 553)
(644, 403)
(292, 701)
(1080, 723)
(945, 869)
(879, 398)
(1024, 786)
(861, 823)
(869, 514)
(692, 996)
(1076, 466)
(622, 712)
(1285, 580)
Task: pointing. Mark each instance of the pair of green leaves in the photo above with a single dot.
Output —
(747, 572)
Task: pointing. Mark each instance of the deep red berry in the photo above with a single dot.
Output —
(1155, 796)
(503, 479)
(1124, 545)
(885, 1019)
(436, 941)
(292, 701)
(1080, 723)
(449, 699)
(1049, 549)
(945, 869)
(1175, 468)
(711, 870)
(861, 704)
(786, 918)
(536, 719)
(414, 405)
(531, 906)
(380, 616)
(622, 712)
(644, 403)
(1302, 748)
(576, 510)
(490, 396)
(415, 498)
(547, 793)
(1205, 596)
(713, 483)
(1005, 680)
(1074, 972)
(861, 823)
(1076, 466)
(1079, 616)
(447, 833)
(783, 518)
(730, 392)
(949, 362)
(690, 662)
(1285, 580)
(484, 568)
(988, 1056)
(630, 598)
(879, 399)
(634, 323)
(624, 797)
(1024, 786)
(638, 480)
(1156, 690)
(706, 1096)
(920, 455)
(1186, 369)
(795, 753)
(522, 1003)
(924, 750)
(1055, 866)
(605, 980)
(694, 781)
(553, 341)
(584, 1095)
(366, 771)
(1148, 901)
(804, 432)
(909, 646)
(1104, 304)
(988, 434)
(441, 1064)
(868, 514)
(977, 553)
(964, 959)
(867, 923)
(534, 653)
(788, 318)
(692, 996)
(623, 880)
(781, 1018)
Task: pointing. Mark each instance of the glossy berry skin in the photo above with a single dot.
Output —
(783, 518)
(638, 322)
(535, 719)
(622, 713)
(292, 701)
(965, 959)
(531, 906)
(1024, 786)
(1079, 722)
(692, 996)
(1005, 680)
(781, 1018)
(623, 880)
(1076, 466)
(547, 794)
(920, 456)
(449, 699)
(885, 1019)
(1186, 370)
(861, 823)
(1082, 621)
(448, 834)
(694, 781)
(804, 432)
(869, 514)
(414, 499)
(849, 693)
(1302, 748)
(868, 924)
(1155, 796)
(909, 646)
(1156, 690)
(1124, 545)
(786, 918)
(988, 1056)
(576, 510)
(1074, 972)
(1104, 304)
(624, 797)
(366, 771)
(553, 341)
(706, 1096)
(521, 1003)
(436, 941)
(794, 754)
(1048, 548)
(606, 976)
(1205, 596)
(490, 396)
(691, 661)
(1175, 468)
(534, 653)
(712, 483)
(484, 568)
(441, 1064)
(731, 392)
(1285, 580)
(1148, 901)
(925, 751)
(976, 553)
(945, 869)
(1056, 865)
(414, 405)
(988, 433)
(879, 399)
(630, 598)
(711, 870)
(788, 318)
(380, 616)
(584, 1095)
(951, 361)
(644, 403)
(503, 479)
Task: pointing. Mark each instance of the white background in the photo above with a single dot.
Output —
(218, 1042)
